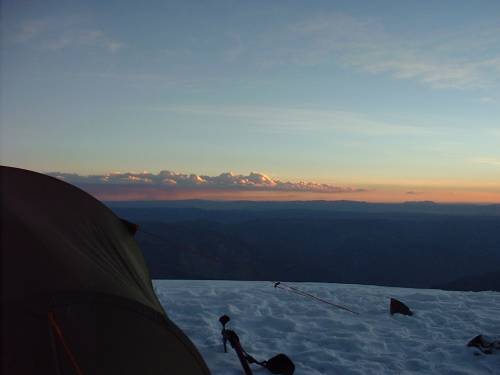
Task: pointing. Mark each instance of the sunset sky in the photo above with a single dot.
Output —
(359, 100)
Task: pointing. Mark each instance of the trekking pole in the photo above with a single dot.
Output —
(232, 337)
(223, 320)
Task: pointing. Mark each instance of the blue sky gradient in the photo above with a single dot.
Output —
(353, 93)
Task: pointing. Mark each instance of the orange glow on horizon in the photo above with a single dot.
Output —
(374, 195)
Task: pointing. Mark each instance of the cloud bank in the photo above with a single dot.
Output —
(168, 180)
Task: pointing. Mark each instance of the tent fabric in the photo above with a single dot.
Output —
(76, 292)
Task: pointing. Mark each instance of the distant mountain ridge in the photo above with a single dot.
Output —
(474, 283)
(340, 206)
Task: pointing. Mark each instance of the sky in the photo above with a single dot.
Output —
(382, 101)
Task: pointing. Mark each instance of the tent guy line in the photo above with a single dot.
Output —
(292, 289)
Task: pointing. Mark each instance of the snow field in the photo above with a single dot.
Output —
(321, 339)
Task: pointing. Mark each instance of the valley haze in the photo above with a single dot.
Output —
(412, 244)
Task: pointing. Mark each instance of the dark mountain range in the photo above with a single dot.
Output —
(276, 241)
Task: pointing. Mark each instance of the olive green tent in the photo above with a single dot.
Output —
(76, 293)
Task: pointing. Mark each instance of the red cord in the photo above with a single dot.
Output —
(58, 332)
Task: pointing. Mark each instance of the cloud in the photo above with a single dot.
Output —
(168, 180)
(30, 29)
(83, 38)
(63, 33)
(487, 161)
(460, 59)
(114, 46)
(300, 119)
(487, 100)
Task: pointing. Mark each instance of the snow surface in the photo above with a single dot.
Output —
(321, 339)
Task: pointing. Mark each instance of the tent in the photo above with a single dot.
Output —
(76, 293)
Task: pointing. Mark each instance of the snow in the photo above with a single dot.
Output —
(321, 339)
